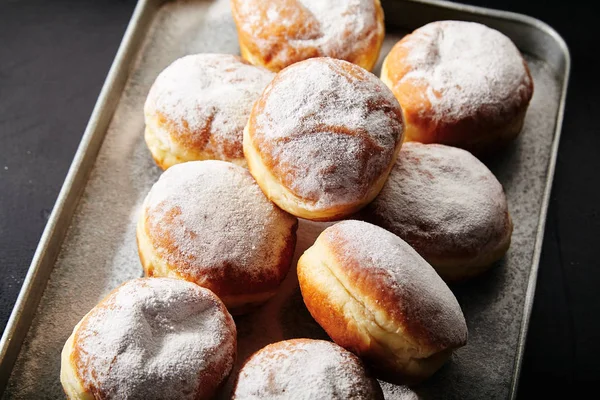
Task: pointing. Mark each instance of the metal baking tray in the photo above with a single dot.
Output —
(88, 246)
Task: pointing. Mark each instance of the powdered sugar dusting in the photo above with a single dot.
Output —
(282, 29)
(208, 96)
(423, 297)
(100, 251)
(304, 369)
(397, 392)
(155, 339)
(216, 217)
(442, 200)
(466, 66)
(330, 127)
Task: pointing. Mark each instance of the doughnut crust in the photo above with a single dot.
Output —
(448, 206)
(198, 106)
(208, 222)
(322, 138)
(277, 33)
(461, 84)
(305, 369)
(375, 296)
(150, 339)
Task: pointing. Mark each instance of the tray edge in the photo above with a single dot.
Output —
(535, 262)
(539, 239)
(54, 232)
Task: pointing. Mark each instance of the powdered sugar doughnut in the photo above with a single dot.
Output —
(448, 206)
(208, 222)
(278, 33)
(305, 369)
(322, 138)
(375, 296)
(459, 83)
(150, 339)
(198, 107)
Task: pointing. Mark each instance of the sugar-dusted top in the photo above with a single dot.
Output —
(281, 31)
(398, 392)
(392, 276)
(327, 129)
(155, 338)
(206, 100)
(209, 219)
(464, 67)
(305, 369)
(443, 201)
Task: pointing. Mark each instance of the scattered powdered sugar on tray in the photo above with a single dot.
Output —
(154, 339)
(208, 98)
(304, 369)
(462, 75)
(99, 250)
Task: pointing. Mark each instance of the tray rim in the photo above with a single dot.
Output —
(83, 162)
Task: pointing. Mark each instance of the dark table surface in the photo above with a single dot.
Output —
(54, 56)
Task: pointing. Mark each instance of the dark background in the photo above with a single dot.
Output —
(54, 57)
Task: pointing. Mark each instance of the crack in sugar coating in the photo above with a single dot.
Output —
(154, 339)
(286, 31)
(204, 100)
(443, 201)
(211, 222)
(459, 69)
(305, 369)
(327, 129)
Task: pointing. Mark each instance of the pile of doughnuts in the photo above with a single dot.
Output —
(299, 128)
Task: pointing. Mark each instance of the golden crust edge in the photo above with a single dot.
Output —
(69, 378)
(155, 266)
(295, 205)
(165, 156)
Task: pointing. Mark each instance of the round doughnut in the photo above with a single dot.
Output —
(208, 222)
(448, 206)
(278, 33)
(305, 369)
(322, 138)
(375, 296)
(198, 106)
(153, 338)
(461, 84)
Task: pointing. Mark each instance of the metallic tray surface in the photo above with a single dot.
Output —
(88, 246)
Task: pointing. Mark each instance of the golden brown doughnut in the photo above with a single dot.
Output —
(461, 84)
(198, 106)
(208, 222)
(448, 206)
(322, 138)
(375, 296)
(149, 339)
(278, 33)
(305, 369)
